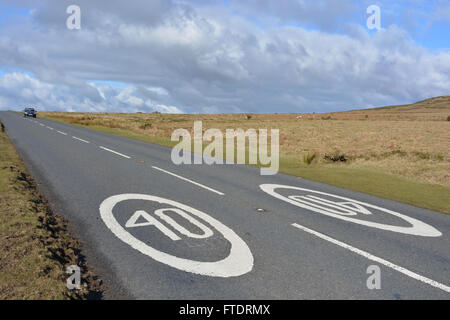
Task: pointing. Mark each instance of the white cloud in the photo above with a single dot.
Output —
(210, 59)
(18, 90)
(163, 108)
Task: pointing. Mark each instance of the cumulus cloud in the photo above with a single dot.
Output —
(20, 89)
(203, 57)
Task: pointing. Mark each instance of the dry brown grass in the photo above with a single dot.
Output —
(412, 141)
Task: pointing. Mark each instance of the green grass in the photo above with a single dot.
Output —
(430, 196)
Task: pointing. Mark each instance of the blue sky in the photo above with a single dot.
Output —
(222, 56)
(423, 20)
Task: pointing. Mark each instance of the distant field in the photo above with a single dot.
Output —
(399, 152)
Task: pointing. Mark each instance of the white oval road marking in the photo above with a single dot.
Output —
(417, 227)
(188, 180)
(112, 151)
(85, 141)
(238, 262)
(375, 258)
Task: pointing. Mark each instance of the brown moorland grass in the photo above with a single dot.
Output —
(409, 142)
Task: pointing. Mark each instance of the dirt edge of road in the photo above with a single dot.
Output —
(36, 246)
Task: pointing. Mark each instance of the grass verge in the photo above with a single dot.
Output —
(35, 245)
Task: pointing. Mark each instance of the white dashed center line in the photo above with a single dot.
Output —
(375, 258)
(49, 127)
(85, 141)
(118, 153)
(193, 182)
(41, 124)
(62, 132)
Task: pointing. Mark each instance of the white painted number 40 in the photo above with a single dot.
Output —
(151, 221)
(238, 262)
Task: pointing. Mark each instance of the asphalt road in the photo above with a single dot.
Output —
(155, 230)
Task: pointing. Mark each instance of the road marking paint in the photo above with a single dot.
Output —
(152, 221)
(375, 258)
(417, 228)
(238, 262)
(61, 132)
(49, 127)
(85, 141)
(188, 180)
(118, 153)
(41, 124)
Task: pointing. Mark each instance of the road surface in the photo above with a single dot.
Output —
(155, 230)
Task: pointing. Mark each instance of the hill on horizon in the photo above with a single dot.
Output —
(441, 102)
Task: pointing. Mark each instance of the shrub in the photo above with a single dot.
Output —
(397, 152)
(86, 118)
(336, 157)
(448, 118)
(248, 117)
(422, 155)
(309, 158)
(145, 126)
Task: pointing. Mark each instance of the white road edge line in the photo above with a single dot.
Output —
(376, 259)
(61, 132)
(193, 182)
(85, 141)
(118, 153)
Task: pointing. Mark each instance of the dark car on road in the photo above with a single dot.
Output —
(29, 112)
